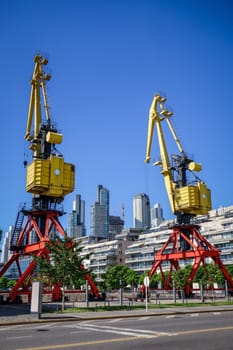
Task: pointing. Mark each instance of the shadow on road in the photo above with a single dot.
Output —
(14, 309)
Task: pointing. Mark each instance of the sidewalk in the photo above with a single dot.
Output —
(13, 314)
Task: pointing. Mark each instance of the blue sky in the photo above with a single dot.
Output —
(107, 59)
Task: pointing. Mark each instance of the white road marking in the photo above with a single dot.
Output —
(122, 331)
(20, 337)
(144, 318)
(115, 320)
(46, 325)
(170, 316)
(39, 326)
(26, 327)
(7, 328)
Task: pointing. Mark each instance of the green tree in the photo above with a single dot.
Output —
(120, 276)
(65, 266)
(11, 283)
(142, 276)
(220, 279)
(180, 279)
(6, 283)
(154, 280)
(230, 270)
(212, 273)
(201, 275)
(131, 277)
(208, 274)
(3, 282)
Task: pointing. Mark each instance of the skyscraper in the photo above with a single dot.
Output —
(76, 219)
(116, 225)
(6, 246)
(156, 215)
(141, 211)
(99, 215)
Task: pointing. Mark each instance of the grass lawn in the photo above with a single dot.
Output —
(99, 308)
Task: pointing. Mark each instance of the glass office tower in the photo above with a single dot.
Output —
(99, 215)
(141, 211)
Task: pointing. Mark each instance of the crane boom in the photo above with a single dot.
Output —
(186, 199)
(155, 118)
(38, 82)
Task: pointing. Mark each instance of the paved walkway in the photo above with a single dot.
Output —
(20, 313)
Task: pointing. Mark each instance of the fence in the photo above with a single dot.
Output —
(130, 296)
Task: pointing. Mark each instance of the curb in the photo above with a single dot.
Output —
(59, 319)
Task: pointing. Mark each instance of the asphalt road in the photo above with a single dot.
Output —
(208, 331)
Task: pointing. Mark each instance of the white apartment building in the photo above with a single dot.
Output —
(136, 248)
(108, 252)
(103, 254)
(217, 228)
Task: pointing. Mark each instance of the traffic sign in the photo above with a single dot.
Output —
(146, 281)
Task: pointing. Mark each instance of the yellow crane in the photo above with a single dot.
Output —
(49, 178)
(186, 199)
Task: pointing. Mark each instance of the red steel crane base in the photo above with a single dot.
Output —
(31, 241)
(198, 249)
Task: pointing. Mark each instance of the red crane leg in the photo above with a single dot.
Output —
(22, 279)
(194, 269)
(192, 274)
(8, 264)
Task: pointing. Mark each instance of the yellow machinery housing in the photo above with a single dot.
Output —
(193, 200)
(50, 177)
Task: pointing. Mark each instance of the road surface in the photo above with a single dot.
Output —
(208, 331)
